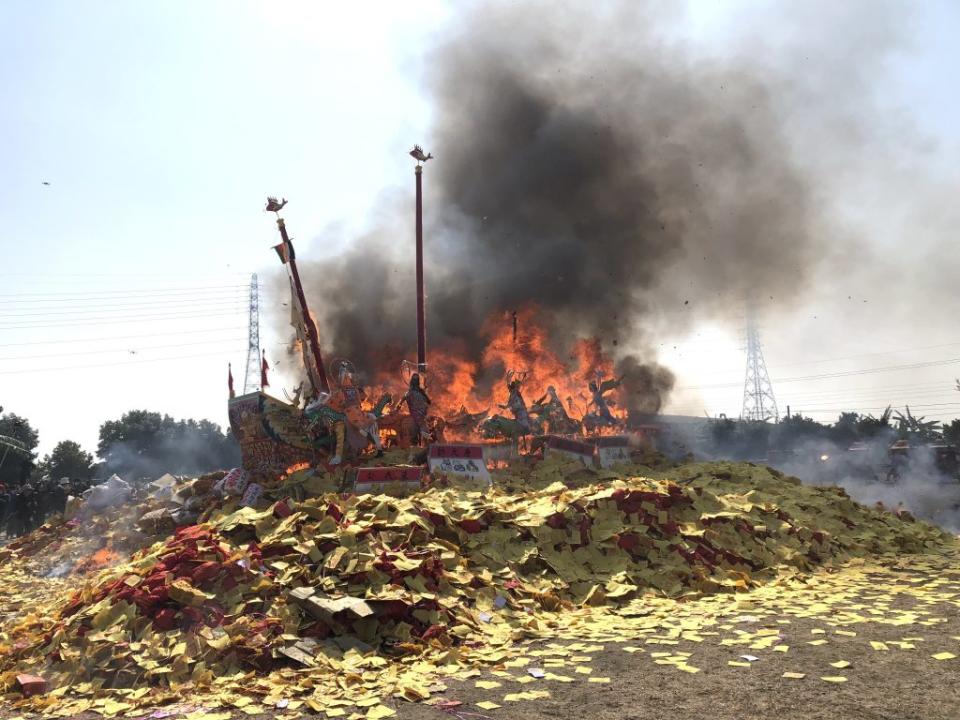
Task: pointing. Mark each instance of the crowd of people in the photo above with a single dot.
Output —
(26, 507)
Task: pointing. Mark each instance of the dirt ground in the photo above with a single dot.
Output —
(914, 611)
(896, 684)
(901, 684)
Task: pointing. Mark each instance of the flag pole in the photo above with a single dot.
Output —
(418, 155)
(421, 320)
(312, 358)
(308, 322)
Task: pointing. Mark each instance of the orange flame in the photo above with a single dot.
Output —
(296, 467)
(103, 558)
(457, 381)
(453, 377)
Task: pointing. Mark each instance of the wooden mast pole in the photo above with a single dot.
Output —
(311, 327)
(421, 319)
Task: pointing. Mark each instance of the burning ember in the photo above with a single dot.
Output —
(296, 467)
(103, 558)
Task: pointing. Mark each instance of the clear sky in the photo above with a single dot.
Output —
(161, 127)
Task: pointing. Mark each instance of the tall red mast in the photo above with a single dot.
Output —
(418, 154)
(303, 320)
(421, 320)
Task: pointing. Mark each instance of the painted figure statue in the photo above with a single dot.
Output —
(521, 424)
(550, 410)
(599, 414)
(342, 410)
(517, 406)
(418, 403)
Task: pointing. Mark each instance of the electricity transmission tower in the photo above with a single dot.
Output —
(251, 379)
(758, 401)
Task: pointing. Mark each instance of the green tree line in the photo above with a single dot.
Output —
(140, 444)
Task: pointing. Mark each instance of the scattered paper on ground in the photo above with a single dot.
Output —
(273, 606)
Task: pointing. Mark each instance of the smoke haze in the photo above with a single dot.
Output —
(869, 473)
(919, 486)
(590, 167)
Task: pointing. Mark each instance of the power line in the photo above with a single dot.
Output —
(107, 311)
(78, 303)
(879, 384)
(122, 337)
(941, 415)
(878, 395)
(191, 305)
(838, 374)
(115, 321)
(222, 341)
(131, 291)
(100, 365)
(123, 273)
(871, 397)
(909, 387)
(870, 371)
(53, 304)
(838, 359)
(886, 399)
(131, 318)
(873, 354)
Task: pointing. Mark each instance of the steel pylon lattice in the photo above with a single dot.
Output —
(758, 401)
(251, 378)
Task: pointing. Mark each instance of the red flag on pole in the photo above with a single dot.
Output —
(230, 380)
(264, 366)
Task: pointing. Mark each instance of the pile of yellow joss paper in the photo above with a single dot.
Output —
(342, 601)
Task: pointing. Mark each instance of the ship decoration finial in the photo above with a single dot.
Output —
(418, 154)
(274, 205)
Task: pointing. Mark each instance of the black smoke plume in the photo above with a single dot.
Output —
(587, 167)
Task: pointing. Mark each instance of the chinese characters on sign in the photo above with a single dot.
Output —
(463, 460)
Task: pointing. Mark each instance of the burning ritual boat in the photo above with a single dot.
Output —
(331, 421)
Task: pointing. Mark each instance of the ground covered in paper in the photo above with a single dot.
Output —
(610, 594)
